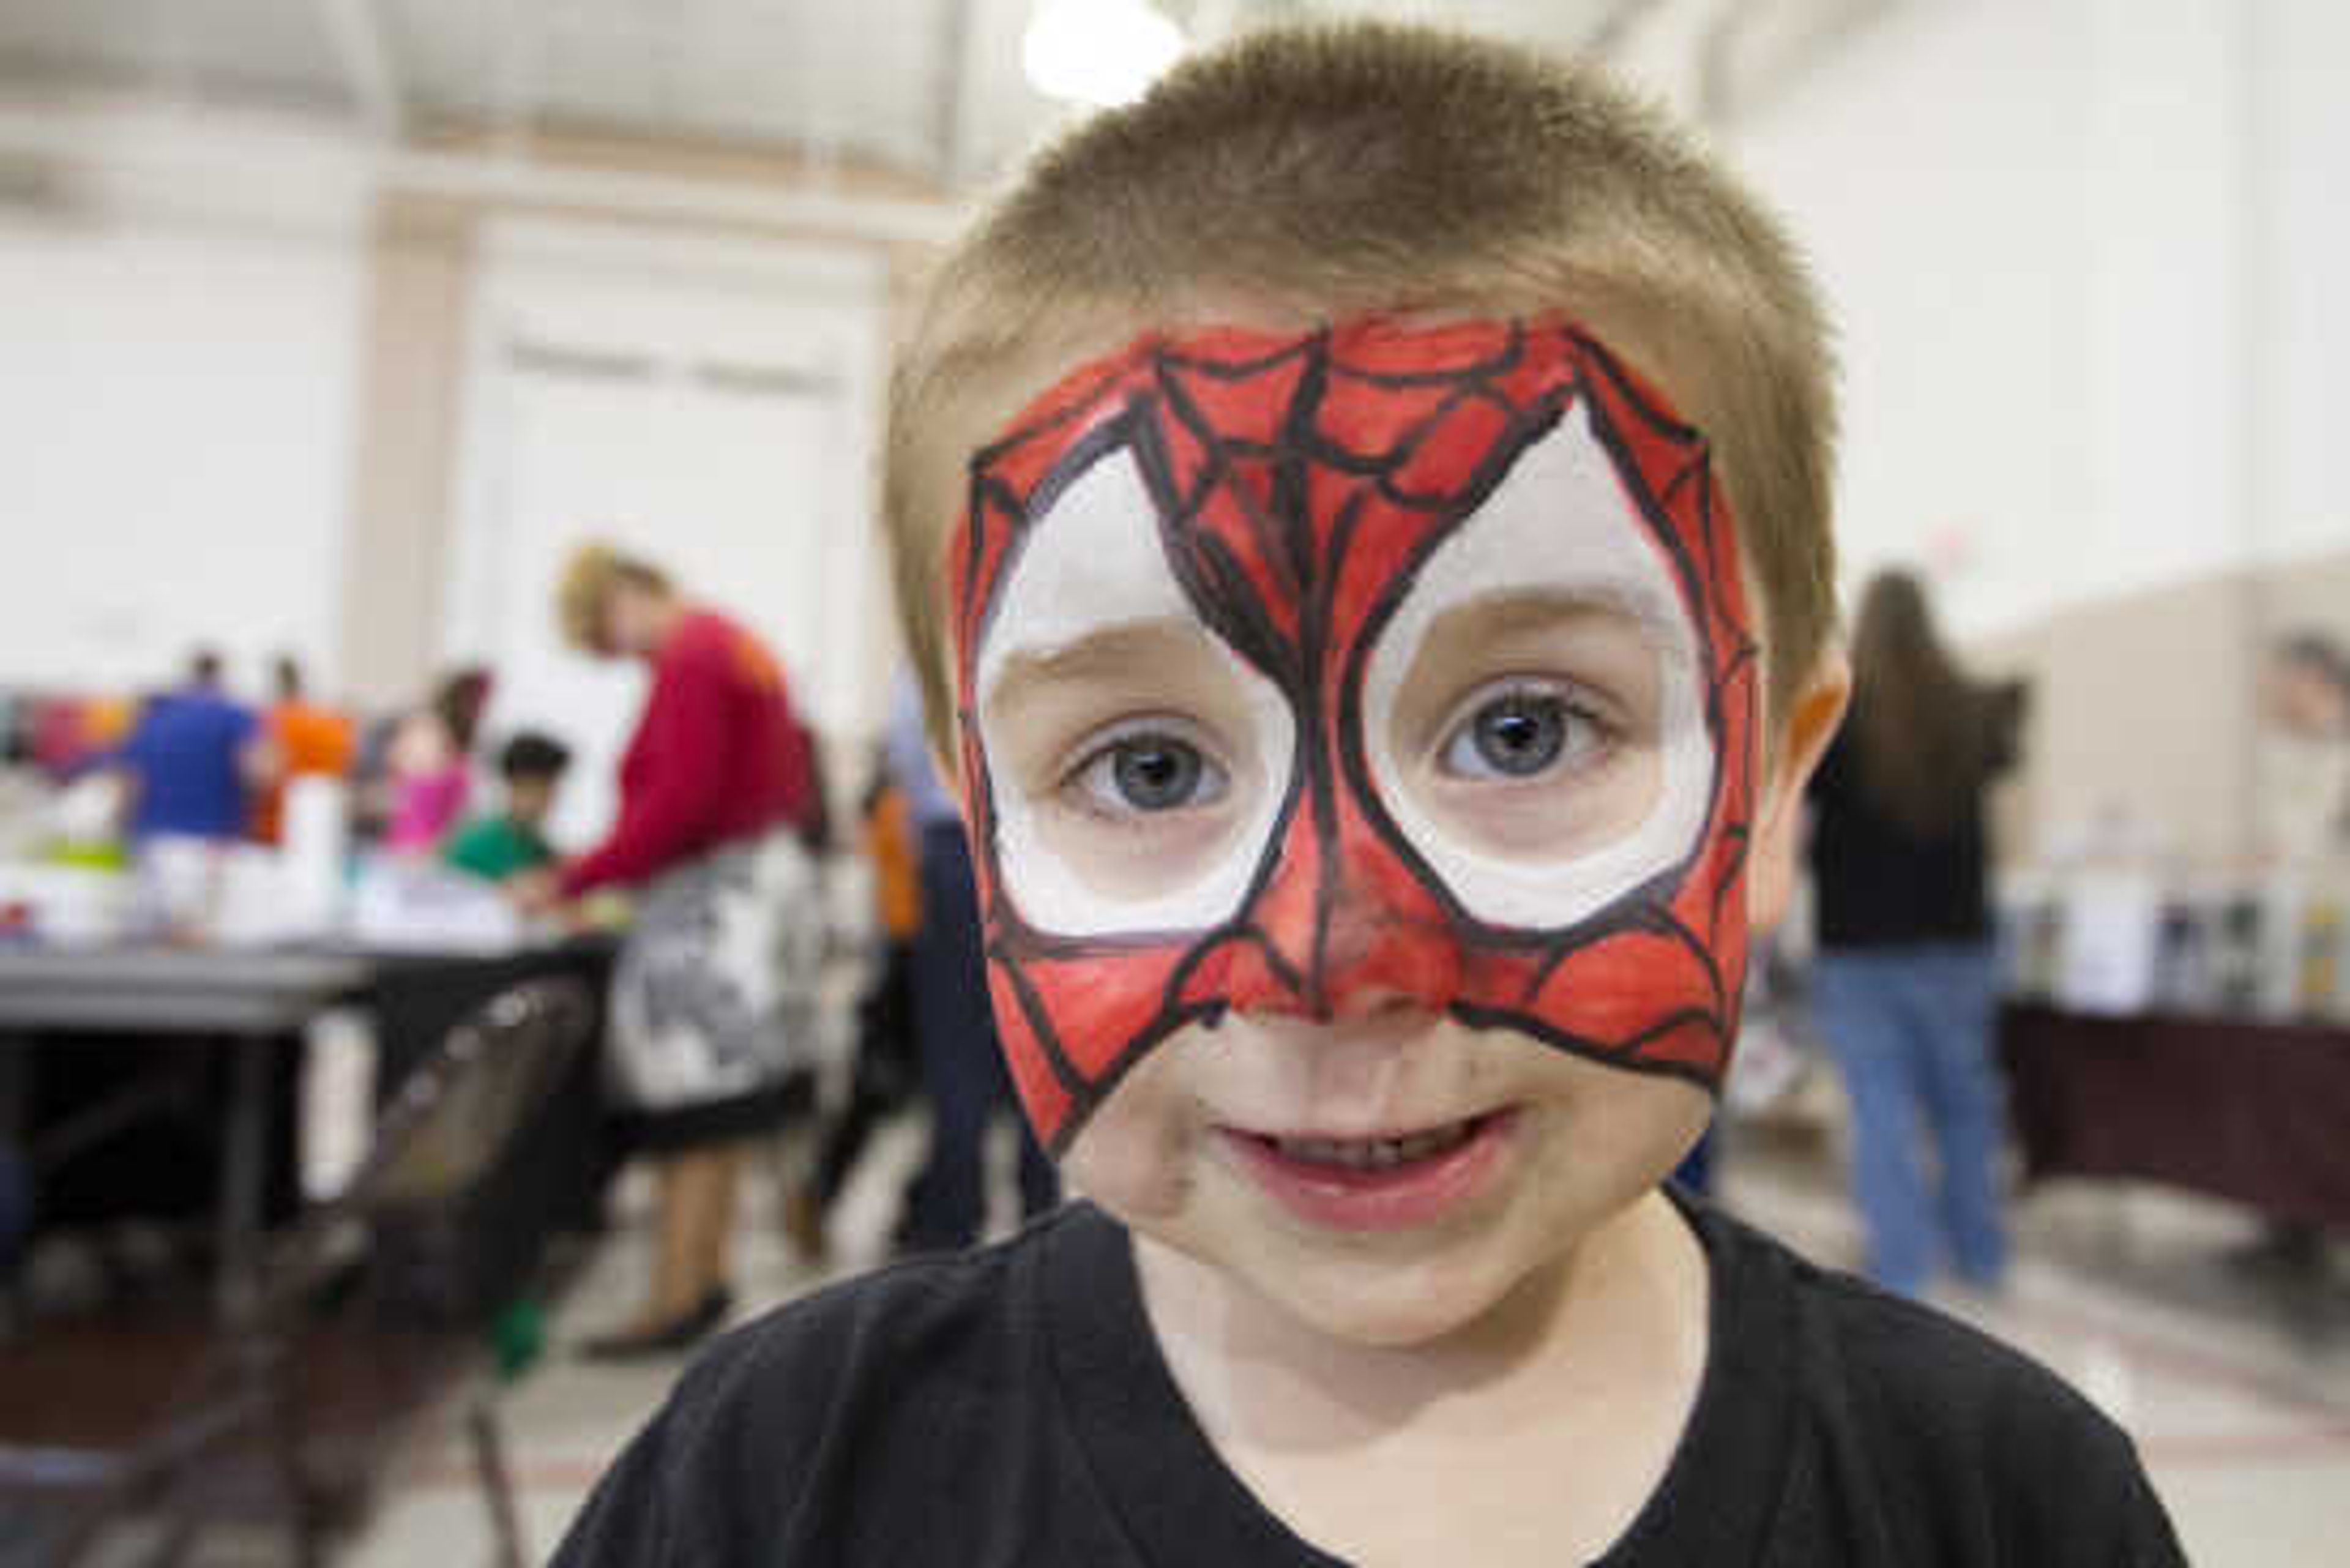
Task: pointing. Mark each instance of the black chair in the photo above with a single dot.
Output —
(283, 1412)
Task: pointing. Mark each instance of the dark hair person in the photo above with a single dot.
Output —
(2301, 761)
(1903, 986)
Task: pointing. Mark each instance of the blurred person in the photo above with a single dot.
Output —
(2302, 826)
(190, 759)
(2302, 762)
(69, 736)
(57, 738)
(963, 1074)
(429, 764)
(303, 738)
(713, 991)
(883, 1076)
(1904, 983)
(512, 840)
(25, 796)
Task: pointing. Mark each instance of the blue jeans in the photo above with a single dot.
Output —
(1911, 1029)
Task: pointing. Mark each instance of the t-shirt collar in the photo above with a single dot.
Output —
(1179, 1502)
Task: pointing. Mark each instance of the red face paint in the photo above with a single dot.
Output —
(1303, 497)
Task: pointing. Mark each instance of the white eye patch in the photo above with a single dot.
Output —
(1559, 520)
(1094, 566)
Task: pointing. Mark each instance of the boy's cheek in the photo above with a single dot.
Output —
(1134, 1156)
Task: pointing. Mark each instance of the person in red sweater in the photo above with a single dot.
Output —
(713, 991)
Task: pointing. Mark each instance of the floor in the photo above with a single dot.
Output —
(2236, 1386)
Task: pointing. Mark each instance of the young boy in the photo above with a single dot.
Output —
(508, 843)
(1364, 513)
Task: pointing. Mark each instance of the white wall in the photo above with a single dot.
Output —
(176, 389)
(1934, 172)
(2082, 252)
(2303, 255)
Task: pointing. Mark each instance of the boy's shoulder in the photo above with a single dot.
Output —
(854, 1424)
(891, 1333)
(1911, 1436)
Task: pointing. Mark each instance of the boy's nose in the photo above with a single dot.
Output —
(1346, 931)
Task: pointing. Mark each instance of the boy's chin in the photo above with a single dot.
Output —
(1395, 1297)
(1387, 1308)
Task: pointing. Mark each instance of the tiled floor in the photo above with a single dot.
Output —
(2237, 1390)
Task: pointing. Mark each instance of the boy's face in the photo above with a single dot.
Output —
(1358, 742)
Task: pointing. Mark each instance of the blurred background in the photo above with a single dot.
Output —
(329, 330)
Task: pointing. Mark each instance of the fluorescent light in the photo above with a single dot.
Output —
(1101, 52)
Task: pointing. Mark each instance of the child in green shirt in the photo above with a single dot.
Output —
(504, 844)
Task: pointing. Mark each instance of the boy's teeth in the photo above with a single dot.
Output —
(1375, 1153)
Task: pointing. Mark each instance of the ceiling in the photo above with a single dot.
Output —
(931, 89)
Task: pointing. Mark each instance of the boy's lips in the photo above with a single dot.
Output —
(1378, 1182)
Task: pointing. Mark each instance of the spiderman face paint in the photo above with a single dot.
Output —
(1324, 672)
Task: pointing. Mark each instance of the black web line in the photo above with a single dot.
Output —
(1040, 1024)
(1624, 1054)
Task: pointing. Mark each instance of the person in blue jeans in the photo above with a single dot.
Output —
(1904, 987)
(963, 1073)
(1911, 1033)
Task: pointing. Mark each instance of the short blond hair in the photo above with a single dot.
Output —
(592, 571)
(1324, 172)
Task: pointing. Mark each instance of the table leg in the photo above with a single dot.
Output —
(15, 1089)
(245, 1162)
(15, 1111)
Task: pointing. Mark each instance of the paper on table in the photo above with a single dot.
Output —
(420, 906)
(2113, 927)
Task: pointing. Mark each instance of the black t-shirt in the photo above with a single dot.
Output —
(1010, 1406)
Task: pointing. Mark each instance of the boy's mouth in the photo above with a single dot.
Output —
(1387, 1181)
(1376, 1153)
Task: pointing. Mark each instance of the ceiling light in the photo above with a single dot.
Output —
(1101, 52)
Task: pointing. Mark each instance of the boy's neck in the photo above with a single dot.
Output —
(1608, 1343)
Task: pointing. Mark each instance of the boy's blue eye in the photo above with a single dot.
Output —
(1518, 736)
(1150, 773)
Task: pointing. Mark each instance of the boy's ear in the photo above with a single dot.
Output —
(1812, 721)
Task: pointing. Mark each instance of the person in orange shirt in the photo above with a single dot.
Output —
(302, 737)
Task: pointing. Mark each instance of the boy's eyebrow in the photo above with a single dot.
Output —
(1110, 649)
(1125, 649)
(1505, 611)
